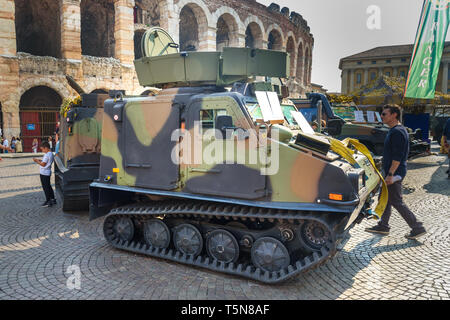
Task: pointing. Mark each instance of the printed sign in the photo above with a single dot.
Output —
(270, 106)
(302, 122)
(370, 116)
(359, 116)
(31, 126)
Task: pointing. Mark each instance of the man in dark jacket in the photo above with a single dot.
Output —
(446, 134)
(395, 154)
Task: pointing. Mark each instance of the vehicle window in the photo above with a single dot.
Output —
(255, 111)
(208, 117)
(346, 113)
(310, 114)
(287, 114)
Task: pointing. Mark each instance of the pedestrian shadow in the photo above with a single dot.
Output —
(439, 183)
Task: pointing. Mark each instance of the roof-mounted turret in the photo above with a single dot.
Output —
(163, 66)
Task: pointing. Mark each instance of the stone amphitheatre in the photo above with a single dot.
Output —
(96, 41)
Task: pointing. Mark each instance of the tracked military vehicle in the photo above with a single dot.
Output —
(77, 162)
(174, 184)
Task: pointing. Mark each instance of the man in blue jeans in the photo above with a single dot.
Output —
(395, 154)
(446, 134)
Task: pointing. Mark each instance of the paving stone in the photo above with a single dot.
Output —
(37, 247)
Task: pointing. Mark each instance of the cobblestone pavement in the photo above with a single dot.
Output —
(37, 246)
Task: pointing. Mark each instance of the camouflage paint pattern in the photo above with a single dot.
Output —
(136, 149)
(78, 160)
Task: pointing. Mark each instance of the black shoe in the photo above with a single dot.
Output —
(53, 201)
(378, 229)
(46, 204)
(414, 234)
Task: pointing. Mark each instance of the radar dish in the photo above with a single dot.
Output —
(157, 42)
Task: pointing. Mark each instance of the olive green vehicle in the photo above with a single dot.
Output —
(77, 162)
(269, 219)
(341, 125)
(416, 145)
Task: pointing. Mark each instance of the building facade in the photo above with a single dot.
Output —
(96, 41)
(360, 69)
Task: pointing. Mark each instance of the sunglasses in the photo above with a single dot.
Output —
(384, 114)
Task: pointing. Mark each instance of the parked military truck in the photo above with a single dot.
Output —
(78, 159)
(371, 135)
(172, 188)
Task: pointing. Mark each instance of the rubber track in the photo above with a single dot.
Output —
(230, 212)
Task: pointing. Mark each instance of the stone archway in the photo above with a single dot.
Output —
(39, 113)
(193, 27)
(138, 34)
(290, 48)
(253, 36)
(227, 32)
(38, 27)
(97, 28)
(300, 60)
(307, 67)
(275, 40)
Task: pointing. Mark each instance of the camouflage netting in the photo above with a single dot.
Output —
(386, 90)
(69, 104)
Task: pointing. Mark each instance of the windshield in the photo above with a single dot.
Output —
(255, 111)
(287, 114)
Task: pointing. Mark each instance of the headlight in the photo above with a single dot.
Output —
(357, 179)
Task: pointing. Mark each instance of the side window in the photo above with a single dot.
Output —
(208, 117)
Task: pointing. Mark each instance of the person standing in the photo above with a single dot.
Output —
(19, 148)
(6, 145)
(50, 142)
(45, 170)
(34, 146)
(446, 135)
(395, 155)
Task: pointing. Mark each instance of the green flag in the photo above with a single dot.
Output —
(428, 48)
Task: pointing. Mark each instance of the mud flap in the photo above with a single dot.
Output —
(101, 200)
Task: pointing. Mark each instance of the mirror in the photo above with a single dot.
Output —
(334, 127)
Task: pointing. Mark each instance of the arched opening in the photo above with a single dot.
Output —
(290, 48)
(38, 28)
(138, 34)
(300, 62)
(97, 28)
(307, 66)
(226, 32)
(275, 41)
(253, 36)
(188, 30)
(193, 27)
(39, 112)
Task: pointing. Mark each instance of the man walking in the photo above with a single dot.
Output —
(446, 135)
(395, 154)
(45, 170)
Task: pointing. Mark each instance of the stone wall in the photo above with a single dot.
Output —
(93, 41)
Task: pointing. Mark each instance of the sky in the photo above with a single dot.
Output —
(340, 29)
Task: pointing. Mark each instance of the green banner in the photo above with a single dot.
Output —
(428, 48)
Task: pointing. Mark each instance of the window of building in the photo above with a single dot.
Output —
(359, 62)
(374, 62)
(403, 59)
(358, 78)
(388, 61)
(373, 75)
(388, 73)
(402, 74)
